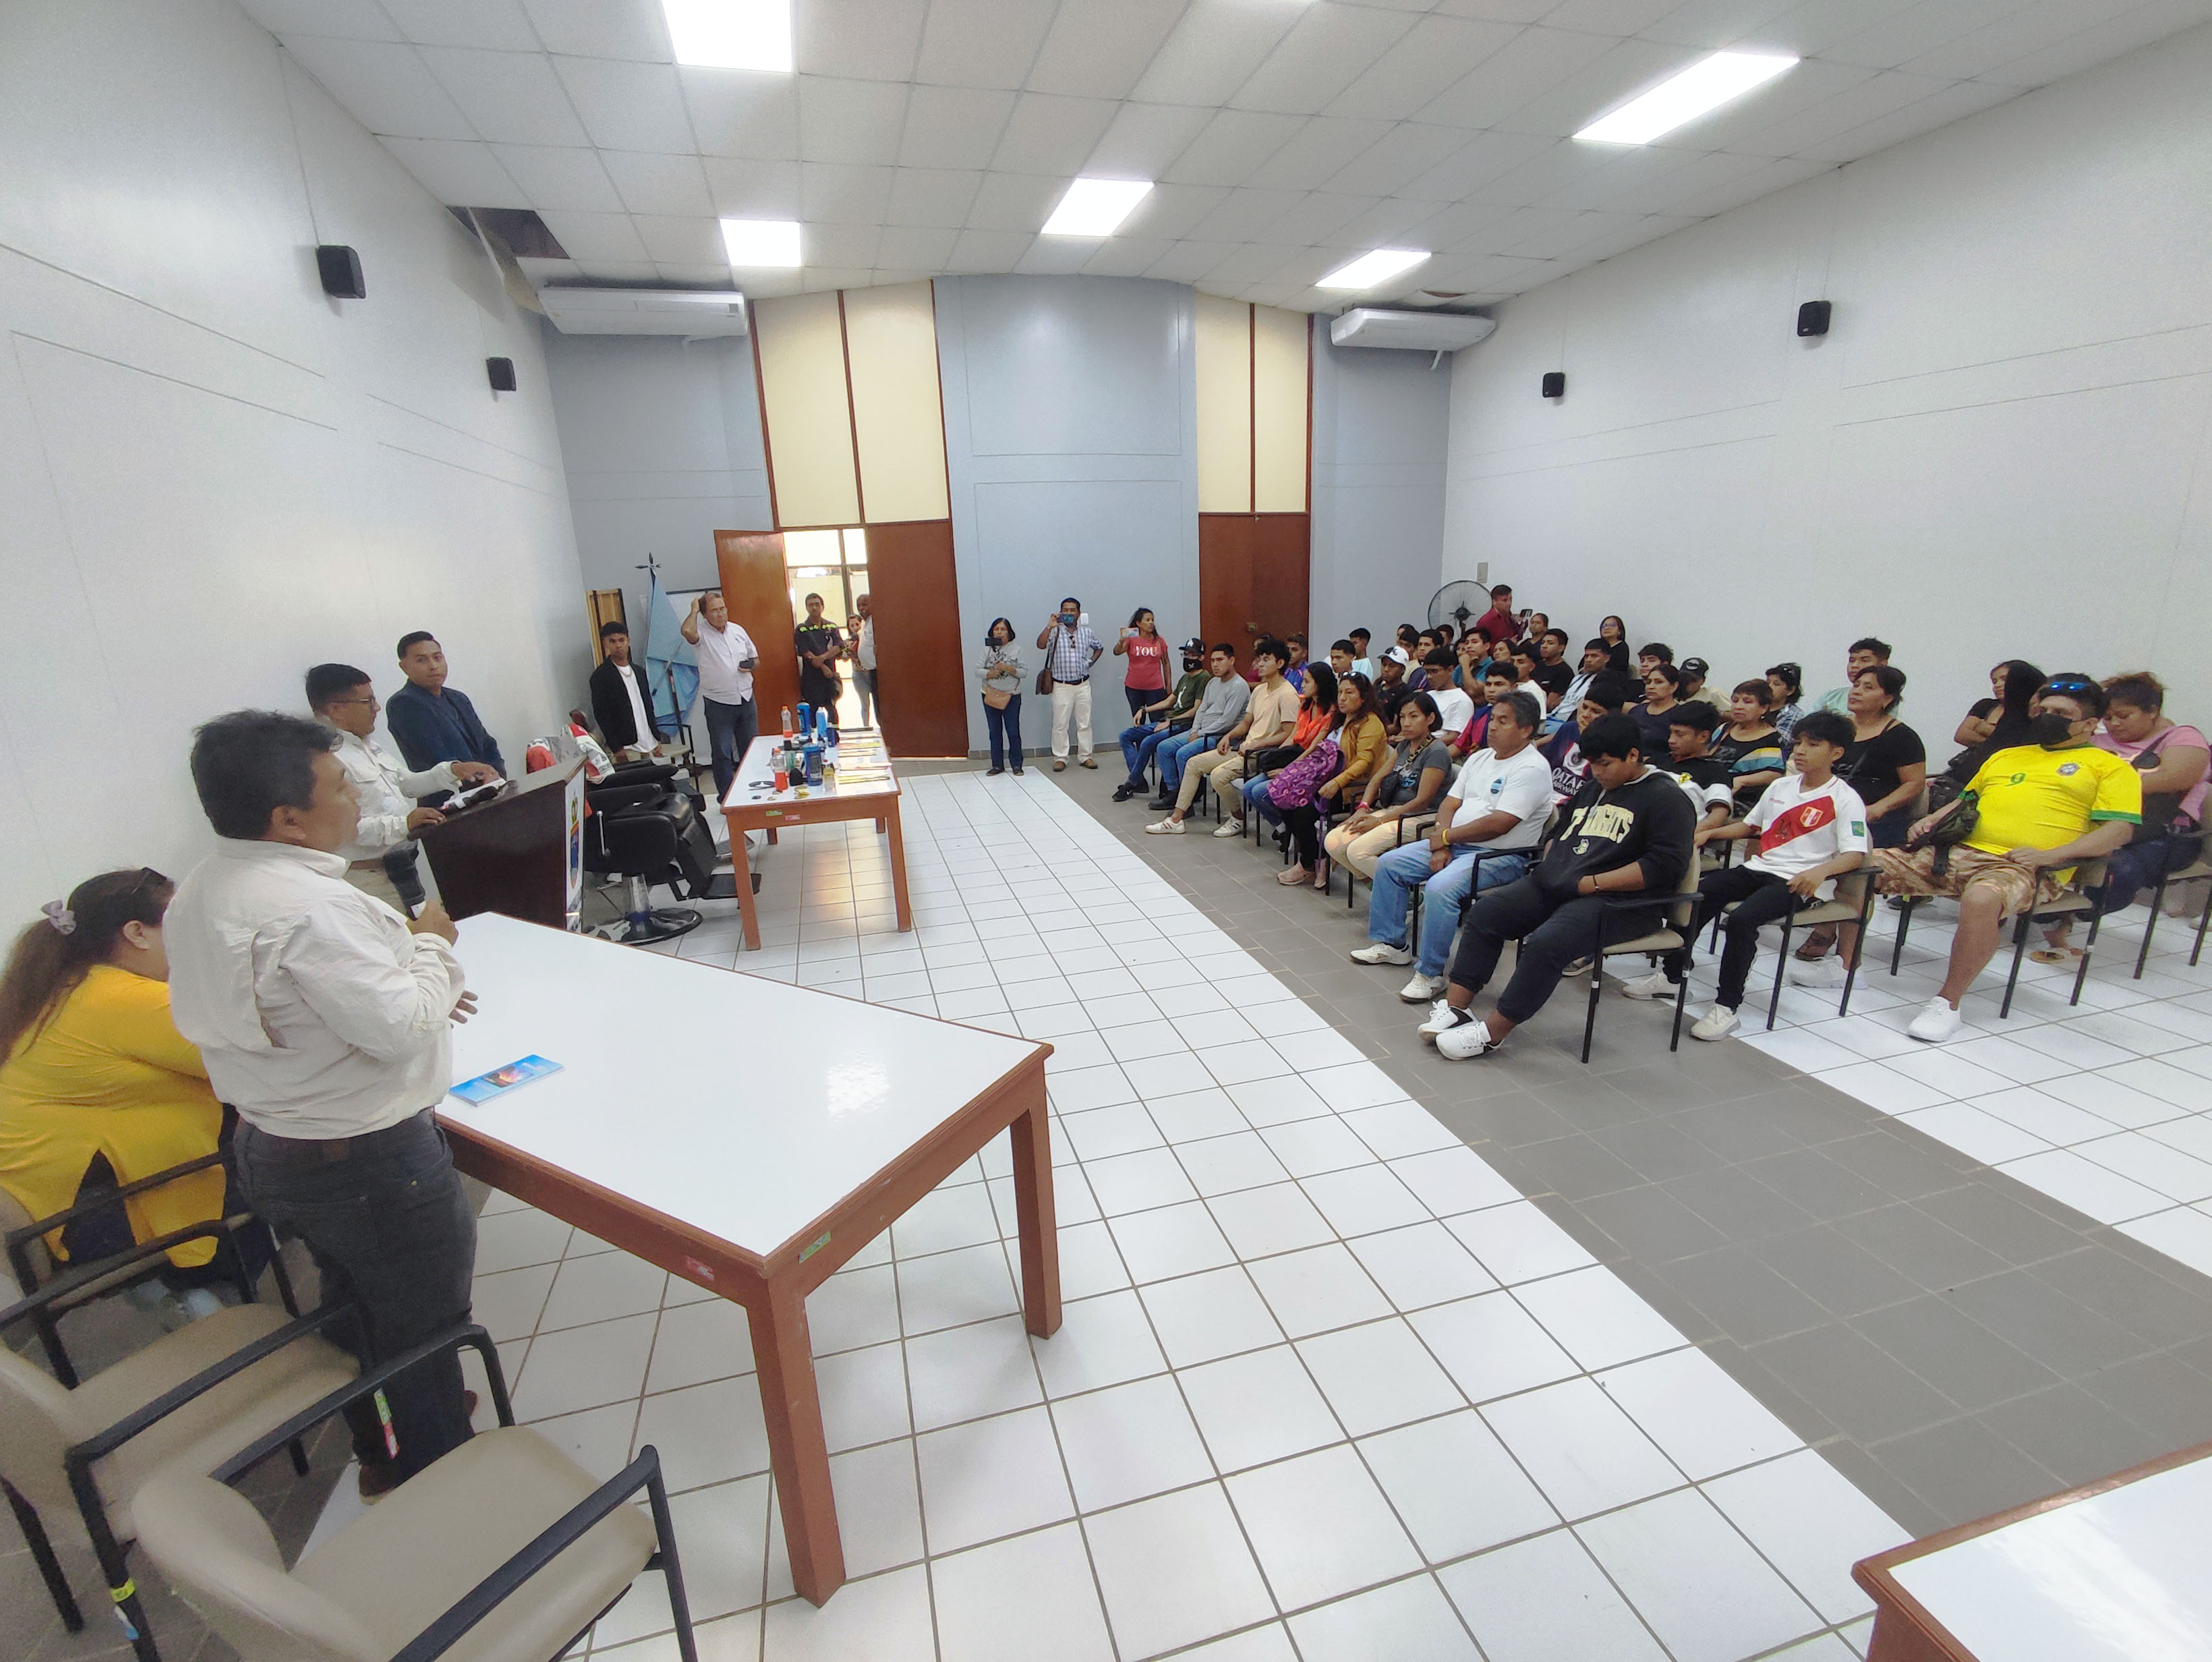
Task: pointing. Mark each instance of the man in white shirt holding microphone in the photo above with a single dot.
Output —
(324, 1018)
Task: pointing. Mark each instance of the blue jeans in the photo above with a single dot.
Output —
(1398, 872)
(1175, 756)
(1005, 726)
(1257, 800)
(731, 730)
(1141, 742)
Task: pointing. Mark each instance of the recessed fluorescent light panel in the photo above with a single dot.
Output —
(731, 34)
(1704, 86)
(762, 242)
(1096, 207)
(1372, 269)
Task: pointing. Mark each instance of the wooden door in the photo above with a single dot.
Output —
(750, 566)
(921, 662)
(1252, 576)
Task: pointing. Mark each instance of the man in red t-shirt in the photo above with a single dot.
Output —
(1498, 624)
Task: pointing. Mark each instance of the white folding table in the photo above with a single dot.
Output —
(747, 1134)
(2114, 1571)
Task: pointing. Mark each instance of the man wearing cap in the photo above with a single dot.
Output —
(1693, 690)
(1156, 723)
(1391, 687)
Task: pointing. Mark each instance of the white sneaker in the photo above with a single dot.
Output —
(1817, 972)
(1230, 828)
(1383, 953)
(1936, 1023)
(1441, 1019)
(1466, 1042)
(1655, 985)
(1165, 828)
(1715, 1023)
(1423, 988)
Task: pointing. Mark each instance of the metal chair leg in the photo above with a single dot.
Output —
(1858, 955)
(2018, 952)
(1904, 923)
(2197, 951)
(672, 1567)
(2089, 947)
(1598, 987)
(1781, 969)
(2157, 901)
(42, 1555)
(1682, 1003)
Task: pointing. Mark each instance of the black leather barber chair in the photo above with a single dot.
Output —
(645, 829)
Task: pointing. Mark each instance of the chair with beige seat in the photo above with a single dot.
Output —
(433, 1569)
(199, 1394)
(1670, 932)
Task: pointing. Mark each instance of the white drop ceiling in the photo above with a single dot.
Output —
(921, 138)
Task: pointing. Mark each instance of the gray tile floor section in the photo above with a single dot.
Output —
(1953, 1340)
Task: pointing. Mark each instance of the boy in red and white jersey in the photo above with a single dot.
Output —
(1811, 828)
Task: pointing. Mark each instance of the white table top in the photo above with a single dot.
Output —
(2119, 1577)
(741, 1106)
(863, 769)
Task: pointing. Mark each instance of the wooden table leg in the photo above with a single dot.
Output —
(741, 868)
(1034, 1214)
(797, 1450)
(898, 870)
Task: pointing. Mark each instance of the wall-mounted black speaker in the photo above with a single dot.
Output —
(501, 371)
(1555, 384)
(340, 268)
(1813, 318)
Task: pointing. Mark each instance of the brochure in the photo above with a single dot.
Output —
(498, 1083)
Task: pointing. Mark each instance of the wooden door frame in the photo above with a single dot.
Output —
(766, 617)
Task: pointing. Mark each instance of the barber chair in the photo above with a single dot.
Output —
(645, 829)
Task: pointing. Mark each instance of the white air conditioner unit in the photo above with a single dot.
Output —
(1417, 331)
(691, 312)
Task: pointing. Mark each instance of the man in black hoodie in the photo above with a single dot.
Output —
(1627, 831)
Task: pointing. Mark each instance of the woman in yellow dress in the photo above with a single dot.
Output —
(99, 1089)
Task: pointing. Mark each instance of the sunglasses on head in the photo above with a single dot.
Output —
(2070, 683)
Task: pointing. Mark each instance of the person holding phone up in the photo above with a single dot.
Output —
(1070, 650)
(726, 658)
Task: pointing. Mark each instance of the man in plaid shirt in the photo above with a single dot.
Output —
(1070, 650)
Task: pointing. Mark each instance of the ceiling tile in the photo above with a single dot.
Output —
(2105, 41)
(1252, 262)
(850, 121)
(1936, 110)
(820, 279)
(1450, 228)
(1233, 143)
(1143, 140)
(833, 192)
(652, 184)
(1048, 134)
(1540, 178)
(1498, 11)
(1243, 214)
(1169, 211)
(497, 24)
(773, 285)
(1555, 239)
(1631, 231)
(923, 248)
(1879, 92)
(570, 180)
(689, 237)
(1435, 53)
(954, 127)
(989, 250)
(1748, 122)
(1315, 217)
(1330, 47)
(1485, 156)
(1621, 184)
(461, 174)
(339, 20)
(1625, 69)
(712, 273)
(1897, 39)
(1713, 24)
(594, 237)
(1214, 50)
(752, 190)
(1979, 53)
(740, 113)
(632, 29)
(1697, 178)
(1506, 274)
(1099, 48)
(1318, 151)
(981, 43)
(630, 106)
(387, 88)
(1187, 262)
(859, 40)
(1401, 155)
(617, 271)
(1530, 63)
(1770, 177)
(511, 98)
(1814, 26)
(932, 196)
(1125, 256)
(1520, 227)
(846, 246)
(1384, 224)
(1014, 201)
(1608, 17)
(883, 275)
(1055, 256)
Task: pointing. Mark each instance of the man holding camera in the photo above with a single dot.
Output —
(726, 658)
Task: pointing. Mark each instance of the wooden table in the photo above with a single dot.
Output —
(2120, 1570)
(748, 1135)
(867, 788)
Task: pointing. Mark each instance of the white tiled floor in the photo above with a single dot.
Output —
(1327, 1386)
(2105, 1105)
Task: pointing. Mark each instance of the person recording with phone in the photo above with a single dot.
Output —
(726, 658)
(1070, 650)
(382, 853)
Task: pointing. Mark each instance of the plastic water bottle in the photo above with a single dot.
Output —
(805, 718)
(820, 727)
(787, 720)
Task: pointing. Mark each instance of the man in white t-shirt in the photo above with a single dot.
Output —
(1455, 709)
(863, 661)
(726, 657)
(1498, 805)
(1811, 828)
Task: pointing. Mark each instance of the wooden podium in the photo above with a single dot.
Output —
(521, 853)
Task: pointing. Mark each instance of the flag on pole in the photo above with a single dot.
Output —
(671, 665)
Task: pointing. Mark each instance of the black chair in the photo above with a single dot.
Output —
(2199, 868)
(644, 827)
(1854, 903)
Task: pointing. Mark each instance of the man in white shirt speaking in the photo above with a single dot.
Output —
(726, 657)
(622, 699)
(324, 1017)
(380, 858)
